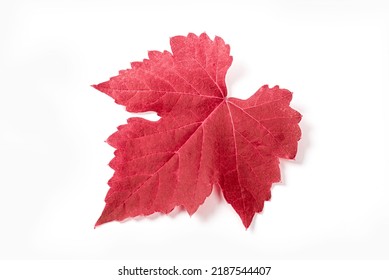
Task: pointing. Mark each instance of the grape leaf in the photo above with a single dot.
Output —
(202, 139)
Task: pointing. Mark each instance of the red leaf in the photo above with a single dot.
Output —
(202, 139)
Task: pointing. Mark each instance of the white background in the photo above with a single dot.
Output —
(334, 56)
